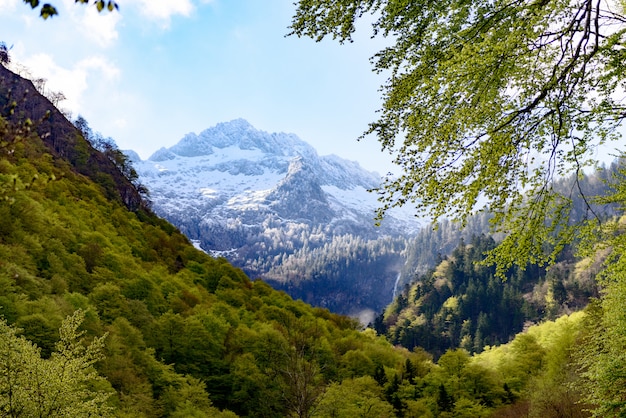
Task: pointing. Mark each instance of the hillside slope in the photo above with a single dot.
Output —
(186, 334)
(462, 304)
(185, 331)
(21, 103)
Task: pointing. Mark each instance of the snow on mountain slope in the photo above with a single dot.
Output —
(226, 177)
(234, 167)
(260, 198)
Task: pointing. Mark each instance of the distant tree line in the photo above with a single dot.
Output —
(110, 149)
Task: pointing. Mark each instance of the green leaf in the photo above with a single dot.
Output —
(100, 5)
(47, 10)
(33, 3)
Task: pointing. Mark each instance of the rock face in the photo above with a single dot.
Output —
(20, 100)
(263, 200)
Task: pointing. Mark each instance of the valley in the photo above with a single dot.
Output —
(155, 321)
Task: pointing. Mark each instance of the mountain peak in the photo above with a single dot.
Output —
(300, 196)
(236, 124)
(238, 134)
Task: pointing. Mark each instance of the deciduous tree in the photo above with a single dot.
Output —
(601, 357)
(359, 397)
(487, 101)
(61, 386)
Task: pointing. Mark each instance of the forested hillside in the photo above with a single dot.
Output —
(462, 304)
(157, 328)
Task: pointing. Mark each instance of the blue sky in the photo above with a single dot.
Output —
(158, 69)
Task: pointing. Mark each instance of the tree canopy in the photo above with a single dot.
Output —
(487, 101)
(59, 386)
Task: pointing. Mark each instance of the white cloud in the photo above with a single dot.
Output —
(108, 70)
(8, 6)
(163, 10)
(100, 28)
(71, 82)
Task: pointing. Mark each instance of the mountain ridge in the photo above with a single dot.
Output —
(21, 102)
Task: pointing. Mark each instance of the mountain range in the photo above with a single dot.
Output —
(269, 204)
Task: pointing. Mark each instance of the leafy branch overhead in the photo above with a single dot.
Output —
(48, 10)
(488, 101)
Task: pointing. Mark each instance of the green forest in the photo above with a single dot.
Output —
(111, 312)
(107, 310)
(462, 303)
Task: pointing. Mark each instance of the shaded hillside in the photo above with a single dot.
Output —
(425, 249)
(349, 274)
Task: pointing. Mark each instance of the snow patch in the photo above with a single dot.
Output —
(196, 243)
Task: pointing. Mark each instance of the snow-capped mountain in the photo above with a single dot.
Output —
(259, 198)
